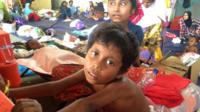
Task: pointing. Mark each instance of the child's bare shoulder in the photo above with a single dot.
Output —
(130, 95)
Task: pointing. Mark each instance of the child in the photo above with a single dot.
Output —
(64, 10)
(106, 61)
(120, 11)
(192, 45)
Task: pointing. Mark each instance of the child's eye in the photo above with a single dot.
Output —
(94, 53)
(109, 62)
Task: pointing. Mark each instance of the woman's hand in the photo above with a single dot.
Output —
(27, 105)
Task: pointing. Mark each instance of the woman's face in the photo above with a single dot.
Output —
(103, 63)
(120, 11)
(185, 16)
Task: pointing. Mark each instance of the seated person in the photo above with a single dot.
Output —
(106, 61)
(73, 9)
(30, 14)
(186, 23)
(64, 10)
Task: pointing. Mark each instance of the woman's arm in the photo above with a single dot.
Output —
(182, 30)
(47, 88)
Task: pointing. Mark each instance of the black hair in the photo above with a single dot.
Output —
(63, 3)
(111, 33)
(188, 22)
(27, 44)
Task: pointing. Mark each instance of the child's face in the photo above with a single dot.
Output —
(103, 63)
(198, 31)
(192, 41)
(119, 11)
(147, 3)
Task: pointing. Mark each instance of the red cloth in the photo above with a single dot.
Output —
(175, 24)
(74, 92)
(6, 51)
(166, 90)
(10, 72)
(170, 35)
(136, 17)
(33, 17)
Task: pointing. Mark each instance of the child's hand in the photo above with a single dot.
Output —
(2, 83)
(27, 105)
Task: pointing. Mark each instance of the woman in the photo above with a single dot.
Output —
(186, 23)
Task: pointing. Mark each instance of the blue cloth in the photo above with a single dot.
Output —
(73, 10)
(65, 12)
(137, 30)
(22, 68)
(27, 9)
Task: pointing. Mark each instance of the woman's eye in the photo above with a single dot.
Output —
(109, 62)
(123, 3)
(112, 3)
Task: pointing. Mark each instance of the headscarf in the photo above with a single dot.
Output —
(188, 22)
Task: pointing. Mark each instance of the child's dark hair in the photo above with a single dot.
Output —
(111, 33)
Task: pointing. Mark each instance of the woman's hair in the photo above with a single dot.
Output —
(188, 22)
(62, 3)
(111, 33)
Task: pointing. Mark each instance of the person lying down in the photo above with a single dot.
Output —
(45, 58)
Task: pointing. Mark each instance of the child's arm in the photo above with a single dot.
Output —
(48, 88)
(119, 96)
(110, 93)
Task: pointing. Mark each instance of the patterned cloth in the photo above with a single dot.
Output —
(74, 92)
(184, 30)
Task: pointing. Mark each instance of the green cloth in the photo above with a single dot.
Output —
(3, 7)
